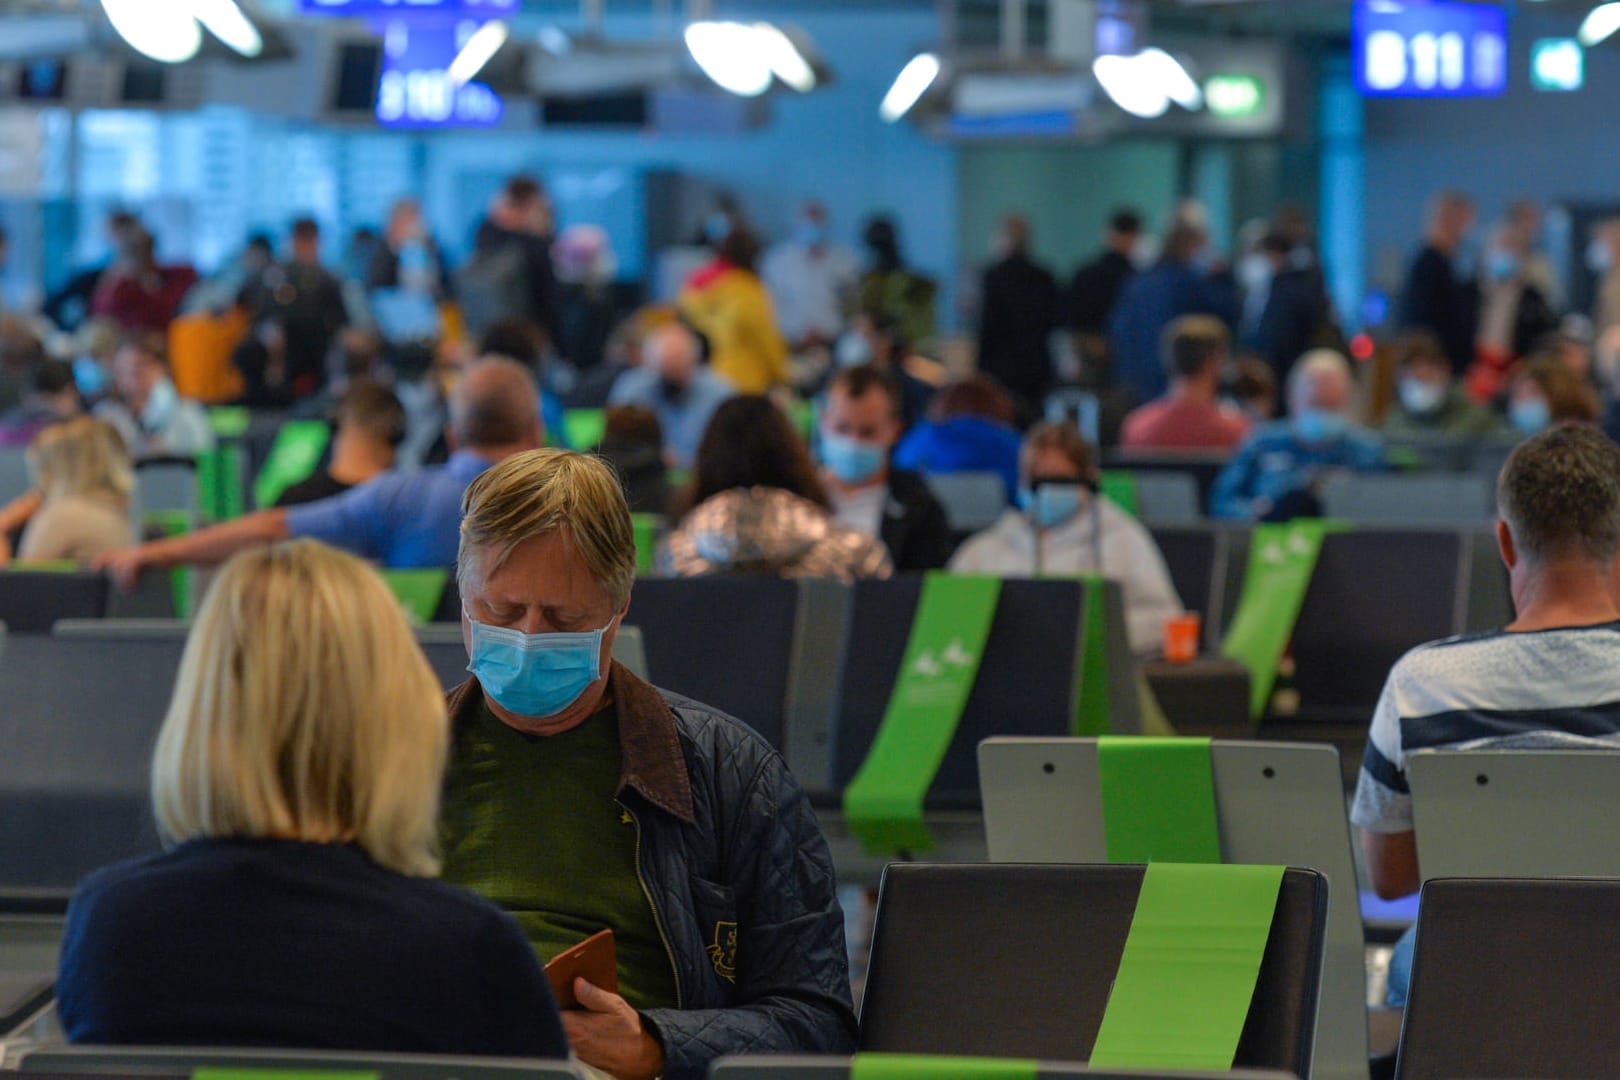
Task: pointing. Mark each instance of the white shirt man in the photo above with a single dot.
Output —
(811, 282)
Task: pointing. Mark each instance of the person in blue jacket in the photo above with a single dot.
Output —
(1279, 472)
(969, 429)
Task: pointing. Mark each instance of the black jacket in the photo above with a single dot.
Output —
(1019, 314)
(1096, 290)
(1437, 300)
(1297, 317)
(740, 880)
(914, 526)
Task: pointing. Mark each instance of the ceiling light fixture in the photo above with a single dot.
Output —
(732, 55)
(909, 87)
(226, 21)
(1599, 25)
(479, 50)
(787, 61)
(165, 32)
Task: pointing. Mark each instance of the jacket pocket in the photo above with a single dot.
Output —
(716, 910)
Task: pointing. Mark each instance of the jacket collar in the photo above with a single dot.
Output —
(654, 765)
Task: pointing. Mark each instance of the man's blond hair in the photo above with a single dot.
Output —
(544, 491)
(304, 710)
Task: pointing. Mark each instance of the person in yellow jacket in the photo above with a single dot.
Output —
(727, 302)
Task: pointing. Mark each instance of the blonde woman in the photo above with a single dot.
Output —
(83, 481)
(296, 787)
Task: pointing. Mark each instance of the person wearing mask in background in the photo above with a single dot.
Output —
(1545, 393)
(586, 305)
(1096, 289)
(305, 300)
(969, 429)
(681, 390)
(1063, 527)
(402, 520)
(407, 278)
(53, 396)
(1524, 220)
(583, 798)
(860, 425)
(1181, 283)
(1019, 312)
(147, 410)
(138, 294)
(1190, 416)
(812, 282)
(1440, 295)
(756, 505)
(1514, 314)
(1297, 313)
(876, 339)
(1277, 475)
(296, 788)
(1429, 401)
(633, 443)
(1603, 260)
(728, 304)
(510, 274)
(370, 427)
(892, 287)
(79, 508)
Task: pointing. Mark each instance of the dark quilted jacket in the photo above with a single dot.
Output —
(740, 880)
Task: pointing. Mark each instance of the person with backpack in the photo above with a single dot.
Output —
(510, 275)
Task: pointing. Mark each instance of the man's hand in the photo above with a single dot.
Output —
(606, 1033)
(124, 566)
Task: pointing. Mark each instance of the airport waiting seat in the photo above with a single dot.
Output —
(76, 740)
(1397, 499)
(1018, 961)
(31, 923)
(1516, 813)
(1166, 498)
(140, 1061)
(167, 486)
(1510, 978)
(1276, 803)
(725, 641)
(972, 500)
(1204, 468)
(1025, 685)
(1196, 556)
(31, 601)
(841, 1068)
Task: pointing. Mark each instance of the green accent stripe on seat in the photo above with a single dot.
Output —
(1158, 799)
(939, 1067)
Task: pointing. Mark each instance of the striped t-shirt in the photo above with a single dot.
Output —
(1541, 689)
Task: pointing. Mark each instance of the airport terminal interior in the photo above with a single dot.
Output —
(1046, 538)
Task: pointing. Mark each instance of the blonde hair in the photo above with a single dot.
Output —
(544, 491)
(83, 456)
(304, 710)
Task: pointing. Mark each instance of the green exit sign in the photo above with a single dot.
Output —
(1234, 96)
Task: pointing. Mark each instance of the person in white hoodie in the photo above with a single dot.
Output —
(1063, 528)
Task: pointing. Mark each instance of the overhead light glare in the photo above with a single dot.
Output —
(787, 62)
(909, 87)
(226, 21)
(1599, 25)
(1178, 84)
(479, 50)
(1131, 86)
(165, 32)
(732, 55)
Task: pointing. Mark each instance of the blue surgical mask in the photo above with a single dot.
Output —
(1599, 259)
(809, 234)
(161, 403)
(1318, 426)
(90, 377)
(1421, 398)
(1502, 265)
(852, 461)
(1530, 416)
(1051, 505)
(535, 675)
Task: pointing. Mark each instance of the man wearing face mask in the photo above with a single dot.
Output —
(674, 382)
(1278, 473)
(582, 799)
(812, 282)
(860, 424)
(148, 411)
(1429, 401)
(1063, 527)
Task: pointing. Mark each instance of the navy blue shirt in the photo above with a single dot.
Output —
(401, 519)
(265, 943)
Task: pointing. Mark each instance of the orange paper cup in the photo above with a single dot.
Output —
(1181, 638)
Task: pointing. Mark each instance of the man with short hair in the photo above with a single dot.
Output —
(510, 274)
(1278, 474)
(1190, 416)
(582, 799)
(1440, 296)
(306, 301)
(860, 425)
(1019, 312)
(53, 396)
(1550, 679)
(399, 519)
(674, 382)
(812, 281)
(1097, 285)
(370, 426)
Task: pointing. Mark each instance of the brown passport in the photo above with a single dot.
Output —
(596, 960)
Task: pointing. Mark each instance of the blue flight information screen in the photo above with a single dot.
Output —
(1429, 48)
(416, 91)
(367, 8)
